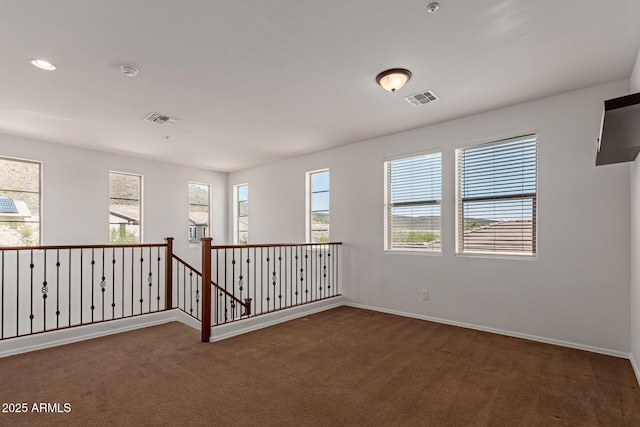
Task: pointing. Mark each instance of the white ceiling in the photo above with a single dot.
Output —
(259, 80)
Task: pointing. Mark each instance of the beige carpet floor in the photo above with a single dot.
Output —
(342, 367)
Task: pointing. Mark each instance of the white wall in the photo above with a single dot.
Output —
(635, 241)
(75, 195)
(577, 291)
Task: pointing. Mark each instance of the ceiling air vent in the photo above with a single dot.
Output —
(422, 98)
(162, 119)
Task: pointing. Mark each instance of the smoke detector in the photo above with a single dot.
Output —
(433, 7)
(161, 119)
(422, 98)
(129, 71)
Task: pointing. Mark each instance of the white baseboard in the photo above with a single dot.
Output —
(80, 333)
(635, 366)
(218, 333)
(569, 344)
(233, 329)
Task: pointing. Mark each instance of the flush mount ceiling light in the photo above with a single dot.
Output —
(43, 64)
(393, 79)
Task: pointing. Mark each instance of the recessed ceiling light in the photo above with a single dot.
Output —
(43, 64)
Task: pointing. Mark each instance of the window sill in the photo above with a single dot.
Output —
(498, 256)
(411, 252)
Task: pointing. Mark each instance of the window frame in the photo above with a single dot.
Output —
(388, 205)
(39, 193)
(309, 204)
(236, 213)
(196, 239)
(141, 209)
(459, 215)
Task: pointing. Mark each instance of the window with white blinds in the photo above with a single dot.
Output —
(496, 198)
(413, 196)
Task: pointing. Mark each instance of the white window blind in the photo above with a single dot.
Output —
(497, 197)
(412, 203)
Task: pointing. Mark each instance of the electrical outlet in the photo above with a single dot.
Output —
(425, 295)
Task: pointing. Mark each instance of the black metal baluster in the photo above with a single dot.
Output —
(158, 279)
(240, 283)
(308, 293)
(301, 273)
(44, 290)
(222, 308)
(113, 283)
(215, 291)
(218, 294)
(291, 275)
(330, 270)
(31, 268)
(122, 284)
(93, 263)
(131, 267)
(319, 272)
(314, 270)
(296, 273)
(197, 297)
(17, 293)
(248, 277)
(69, 288)
(323, 276)
(323, 283)
(184, 277)
(269, 280)
(81, 286)
(57, 288)
(141, 274)
(262, 280)
(337, 269)
(226, 302)
(191, 292)
(274, 278)
(184, 288)
(254, 305)
(311, 280)
(185, 291)
(150, 281)
(103, 284)
(279, 274)
(233, 283)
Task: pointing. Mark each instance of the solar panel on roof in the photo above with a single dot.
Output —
(7, 206)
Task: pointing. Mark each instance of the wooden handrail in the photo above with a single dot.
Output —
(273, 245)
(186, 264)
(41, 248)
(214, 284)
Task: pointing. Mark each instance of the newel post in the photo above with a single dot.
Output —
(206, 289)
(168, 274)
